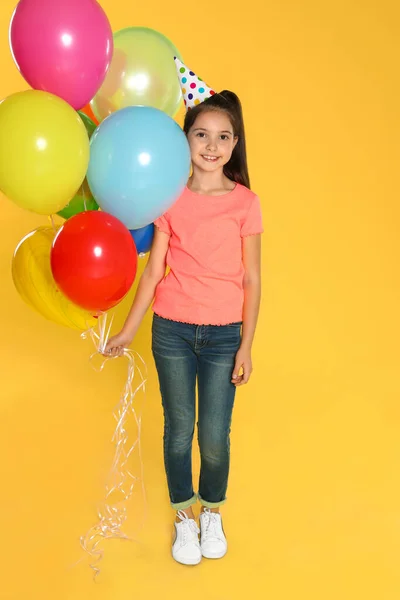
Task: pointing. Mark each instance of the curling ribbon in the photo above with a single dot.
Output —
(112, 512)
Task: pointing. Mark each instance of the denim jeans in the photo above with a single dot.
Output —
(185, 354)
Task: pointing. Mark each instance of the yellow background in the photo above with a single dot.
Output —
(314, 498)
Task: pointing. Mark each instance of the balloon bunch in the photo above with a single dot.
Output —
(94, 142)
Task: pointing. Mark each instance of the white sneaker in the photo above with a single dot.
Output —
(213, 540)
(186, 547)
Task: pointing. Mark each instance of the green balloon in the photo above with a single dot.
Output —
(83, 199)
(81, 202)
(88, 123)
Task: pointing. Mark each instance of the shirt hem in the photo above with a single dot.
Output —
(157, 313)
(163, 229)
(243, 235)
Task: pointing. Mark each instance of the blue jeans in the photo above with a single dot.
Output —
(185, 354)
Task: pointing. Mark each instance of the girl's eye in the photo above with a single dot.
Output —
(200, 134)
(224, 137)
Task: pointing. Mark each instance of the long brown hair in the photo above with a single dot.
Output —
(228, 102)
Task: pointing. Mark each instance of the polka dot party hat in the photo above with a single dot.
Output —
(194, 90)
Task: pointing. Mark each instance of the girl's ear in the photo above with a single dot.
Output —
(235, 141)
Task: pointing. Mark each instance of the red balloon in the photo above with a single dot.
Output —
(94, 260)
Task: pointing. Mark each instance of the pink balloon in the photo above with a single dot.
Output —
(62, 46)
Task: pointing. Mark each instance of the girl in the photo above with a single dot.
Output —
(205, 311)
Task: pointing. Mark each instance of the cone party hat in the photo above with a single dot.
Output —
(194, 90)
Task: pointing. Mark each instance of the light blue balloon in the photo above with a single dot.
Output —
(139, 164)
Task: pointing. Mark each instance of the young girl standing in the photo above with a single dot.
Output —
(205, 311)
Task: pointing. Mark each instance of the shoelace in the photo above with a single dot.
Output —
(211, 524)
(189, 526)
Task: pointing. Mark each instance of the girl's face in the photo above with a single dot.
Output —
(211, 140)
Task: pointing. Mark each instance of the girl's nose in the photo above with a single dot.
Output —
(211, 145)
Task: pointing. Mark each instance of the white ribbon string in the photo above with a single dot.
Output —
(112, 512)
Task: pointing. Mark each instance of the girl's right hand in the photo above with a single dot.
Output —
(116, 344)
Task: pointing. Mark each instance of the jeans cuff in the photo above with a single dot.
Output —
(184, 505)
(211, 504)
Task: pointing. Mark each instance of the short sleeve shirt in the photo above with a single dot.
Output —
(204, 285)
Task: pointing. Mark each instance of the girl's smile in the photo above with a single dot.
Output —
(209, 158)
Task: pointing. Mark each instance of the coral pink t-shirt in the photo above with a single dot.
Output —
(204, 285)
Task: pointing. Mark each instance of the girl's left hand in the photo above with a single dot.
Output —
(243, 367)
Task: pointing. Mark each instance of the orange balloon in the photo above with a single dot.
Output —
(89, 113)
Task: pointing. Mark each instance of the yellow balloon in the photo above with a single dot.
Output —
(44, 151)
(34, 281)
(142, 72)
